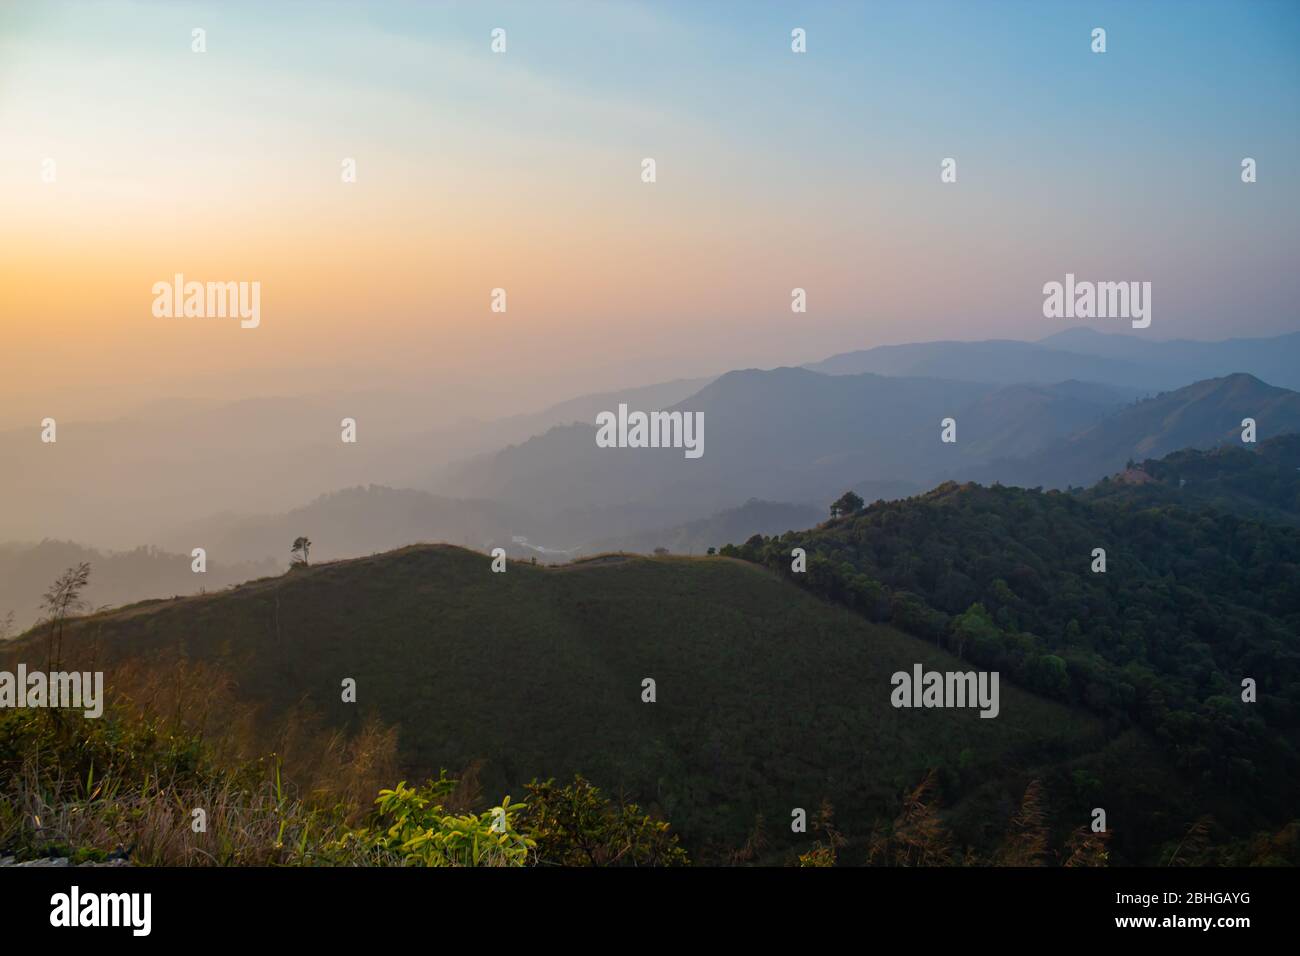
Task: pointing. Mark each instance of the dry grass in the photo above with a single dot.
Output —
(174, 740)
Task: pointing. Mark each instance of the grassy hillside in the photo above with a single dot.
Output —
(768, 698)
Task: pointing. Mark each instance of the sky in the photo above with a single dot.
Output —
(521, 170)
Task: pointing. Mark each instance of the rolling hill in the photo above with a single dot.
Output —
(767, 698)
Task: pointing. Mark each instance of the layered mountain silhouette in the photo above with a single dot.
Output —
(804, 437)
(357, 521)
(1203, 415)
(788, 435)
(993, 361)
(120, 577)
(244, 479)
(1122, 360)
(135, 479)
(785, 435)
(1275, 359)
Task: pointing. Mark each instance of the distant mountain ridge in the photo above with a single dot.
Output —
(357, 521)
(784, 434)
(120, 577)
(996, 361)
(1027, 412)
(130, 480)
(1202, 415)
(1273, 359)
(1128, 360)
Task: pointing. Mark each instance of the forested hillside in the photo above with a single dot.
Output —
(1260, 481)
(1190, 604)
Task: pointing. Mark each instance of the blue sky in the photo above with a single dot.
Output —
(776, 170)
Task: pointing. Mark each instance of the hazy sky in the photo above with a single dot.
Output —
(521, 170)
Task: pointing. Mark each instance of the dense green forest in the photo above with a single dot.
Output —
(1260, 482)
(1191, 603)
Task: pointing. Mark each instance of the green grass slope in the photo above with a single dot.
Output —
(768, 697)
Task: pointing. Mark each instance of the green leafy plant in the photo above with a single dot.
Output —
(575, 826)
(412, 828)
